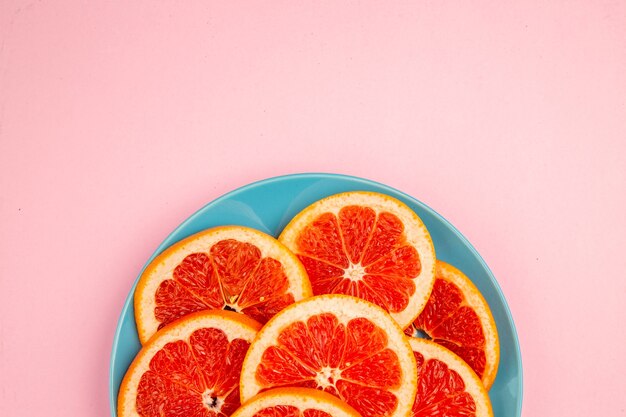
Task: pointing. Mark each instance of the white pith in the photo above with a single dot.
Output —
(327, 377)
(354, 272)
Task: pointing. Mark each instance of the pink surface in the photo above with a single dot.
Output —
(117, 121)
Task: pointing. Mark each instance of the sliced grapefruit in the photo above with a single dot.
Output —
(295, 402)
(367, 245)
(458, 317)
(189, 368)
(340, 344)
(233, 268)
(446, 385)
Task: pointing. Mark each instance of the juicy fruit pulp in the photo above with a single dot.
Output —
(295, 402)
(350, 361)
(198, 377)
(448, 321)
(440, 391)
(360, 253)
(289, 411)
(219, 280)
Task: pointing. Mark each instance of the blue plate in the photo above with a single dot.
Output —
(268, 206)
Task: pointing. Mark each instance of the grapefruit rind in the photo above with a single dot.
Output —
(301, 398)
(344, 308)
(415, 233)
(234, 325)
(162, 268)
(473, 384)
(475, 299)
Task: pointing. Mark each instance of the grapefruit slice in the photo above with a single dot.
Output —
(367, 245)
(233, 268)
(446, 385)
(295, 402)
(340, 344)
(458, 317)
(190, 368)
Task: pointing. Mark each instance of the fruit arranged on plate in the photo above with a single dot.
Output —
(318, 324)
(340, 344)
(232, 267)
(190, 368)
(458, 317)
(295, 402)
(368, 245)
(446, 386)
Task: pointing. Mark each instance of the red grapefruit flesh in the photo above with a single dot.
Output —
(446, 385)
(366, 245)
(458, 318)
(295, 402)
(339, 344)
(190, 368)
(231, 268)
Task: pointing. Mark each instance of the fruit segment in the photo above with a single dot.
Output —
(354, 354)
(440, 391)
(446, 385)
(338, 344)
(458, 318)
(190, 368)
(366, 245)
(233, 277)
(295, 402)
(231, 268)
(367, 258)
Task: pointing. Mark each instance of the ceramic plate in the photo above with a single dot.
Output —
(268, 206)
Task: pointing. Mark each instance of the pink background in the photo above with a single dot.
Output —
(117, 121)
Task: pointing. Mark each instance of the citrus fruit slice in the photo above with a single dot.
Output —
(367, 245)
(295, 402)
(190, 368)
(233, 268)
(458, 317)
(446, 385)
(340, 344)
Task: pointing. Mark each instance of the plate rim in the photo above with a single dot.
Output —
(313, 175)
